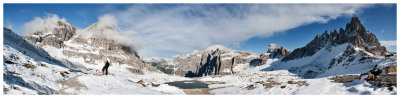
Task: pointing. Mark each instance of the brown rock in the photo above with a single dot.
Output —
(29, 66)
(250, 87)
(391, 70)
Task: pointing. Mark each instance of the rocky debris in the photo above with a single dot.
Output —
(277, 51)
(299, 83)
(391, 70)
(283, 86)
(376, 78)
(250, 87)
(345, 78)
(384, 80)
(5, 90)
(43, 64)
(268, 84)
(14, 73)
(29, 66)
(354, 33)
(212, 61)
(142, 83)
(15, 87)
(155, 85)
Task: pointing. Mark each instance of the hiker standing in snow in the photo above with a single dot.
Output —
(105, 68)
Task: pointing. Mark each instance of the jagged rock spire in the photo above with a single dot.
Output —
(354, 34)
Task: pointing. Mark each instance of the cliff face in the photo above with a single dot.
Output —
(91, 46)
(212, 61)
(53, 37)
(352, 50)
(354, 34)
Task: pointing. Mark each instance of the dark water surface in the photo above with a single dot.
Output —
(188, 84)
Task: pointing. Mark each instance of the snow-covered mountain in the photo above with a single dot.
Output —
(28, 69)
(215, 60)
(91, 47)
(276, 51)
(33, 69)
(353, 50)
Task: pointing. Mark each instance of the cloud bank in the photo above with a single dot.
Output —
(107, 26)
(47, 23)
(169, 30)
(390, 45)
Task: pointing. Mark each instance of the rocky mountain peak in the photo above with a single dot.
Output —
(61, 31)
(277, 51)
(355, 25)
(354, 34)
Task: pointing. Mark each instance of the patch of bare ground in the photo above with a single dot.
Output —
(345, 78)
(71, 83)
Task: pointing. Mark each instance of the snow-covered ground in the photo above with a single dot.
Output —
(236, 84)
(30, 71)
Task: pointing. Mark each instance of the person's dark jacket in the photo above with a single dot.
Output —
(105, 68)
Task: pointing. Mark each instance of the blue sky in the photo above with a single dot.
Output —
(165, 30)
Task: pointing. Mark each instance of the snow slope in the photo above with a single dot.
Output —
(236, 84)
(28, 69)
(332, 61)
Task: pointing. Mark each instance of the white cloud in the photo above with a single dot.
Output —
(168, 30)
(389, 44)
(107, 26)
(47, 23)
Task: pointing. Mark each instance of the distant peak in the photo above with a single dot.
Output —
(355, 20)
(355, 25)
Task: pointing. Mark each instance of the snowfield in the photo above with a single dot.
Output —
(32, 70)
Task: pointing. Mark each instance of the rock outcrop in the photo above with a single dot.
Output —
(352, 50)
(354, 33)
(276, 51)
(92, 44)
(53, 36)
(212, 61)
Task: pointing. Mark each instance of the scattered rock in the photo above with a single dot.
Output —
(261, 82)
(299, 83)
(15, 87)
(154, 85)
(391, 70)
(14, 73)
(250, 87)
(283, 86)
(64, 73)
(5, 90)
(384, 80)
(345, 78)
(10, 62)
(43, 64)
(29, 66)
(142, 82)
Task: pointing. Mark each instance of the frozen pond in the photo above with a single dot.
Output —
(188, 84)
